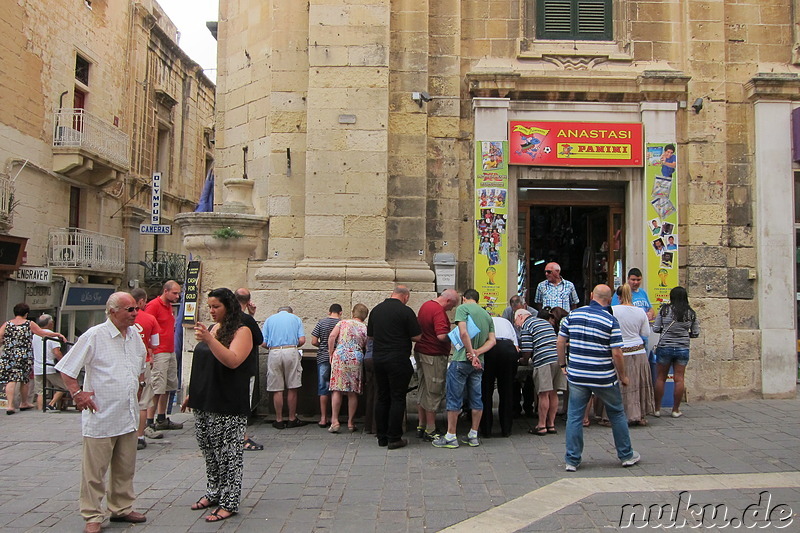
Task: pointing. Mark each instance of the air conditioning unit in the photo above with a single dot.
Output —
(64, 255)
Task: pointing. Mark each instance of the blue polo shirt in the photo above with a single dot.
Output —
(282, 329)
(592, 332)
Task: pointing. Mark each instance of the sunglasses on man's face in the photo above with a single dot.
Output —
(130, 309)
(548, 271)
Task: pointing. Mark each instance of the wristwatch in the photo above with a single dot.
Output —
(142, 384)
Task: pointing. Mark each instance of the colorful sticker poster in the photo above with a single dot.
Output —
(575, 144)
(490, 265)
(661, 221)
(191, 294)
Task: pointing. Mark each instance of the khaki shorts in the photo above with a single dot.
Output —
(165, 373)
(147, 391)
(432, 370)
(284, 370)
(549, 377)
(53, 380)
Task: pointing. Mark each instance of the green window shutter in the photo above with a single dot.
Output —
(582, 20)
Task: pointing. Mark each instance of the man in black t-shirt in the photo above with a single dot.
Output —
(393, 326)
(248, 310)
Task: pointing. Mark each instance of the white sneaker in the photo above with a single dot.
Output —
(151, 433)
(657, 414)
(633, 460)
(676, 414)
(570, 468)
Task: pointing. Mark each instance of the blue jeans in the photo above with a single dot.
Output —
(612, 398)
(461, 377)
(323, 379)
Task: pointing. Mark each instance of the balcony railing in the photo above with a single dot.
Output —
(163, 266)
(86, 250)
(7, 203)
(75, 128)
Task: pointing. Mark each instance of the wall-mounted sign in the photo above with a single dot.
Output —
(86, 297)
(155, 204)
(33, 274)
(661, 227)
(155, 229)
(192, 293)
(575, 144)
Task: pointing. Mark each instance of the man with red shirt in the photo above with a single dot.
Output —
(431, 353)
(165, 364)
(148, 329)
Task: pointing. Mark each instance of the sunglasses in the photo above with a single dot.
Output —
(548, 271)
(130, 309)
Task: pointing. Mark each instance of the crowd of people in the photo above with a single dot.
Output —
(598, 353)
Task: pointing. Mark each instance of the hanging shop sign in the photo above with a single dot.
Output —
(491, 223)
(575, 144)
(661, 232)
(191, 294)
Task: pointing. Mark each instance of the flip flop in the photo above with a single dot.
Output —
(538, 431)
(552, 430)
(252, 445)
(10, 411)
(199, 505)
(216, 517)
(25, 408)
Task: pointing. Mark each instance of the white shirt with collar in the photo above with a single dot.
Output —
(113, 364)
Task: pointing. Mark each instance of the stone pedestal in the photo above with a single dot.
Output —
(238, 196)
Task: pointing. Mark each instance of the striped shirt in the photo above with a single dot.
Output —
(537, 336)
(592, 332)
(322, 331)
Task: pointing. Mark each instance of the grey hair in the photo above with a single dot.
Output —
(114, 301)
(285, 308)
(44, 320)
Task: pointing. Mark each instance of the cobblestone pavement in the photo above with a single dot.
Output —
(306, 479)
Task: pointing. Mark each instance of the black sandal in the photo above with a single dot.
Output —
(216, 517)
(199, 505)
(538, 431)
(552, 430)
(252, 445)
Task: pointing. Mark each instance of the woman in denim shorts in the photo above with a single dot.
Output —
(677, 323)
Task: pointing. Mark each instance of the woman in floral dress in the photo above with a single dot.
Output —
(16, 359)
(346, 345)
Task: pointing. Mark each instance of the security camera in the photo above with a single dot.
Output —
(420, 97)
(697, 105)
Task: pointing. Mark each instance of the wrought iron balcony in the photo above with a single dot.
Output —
(163, 266)
(87, 147)
(79, 249)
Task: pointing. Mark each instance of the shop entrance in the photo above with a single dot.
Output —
(585, 237)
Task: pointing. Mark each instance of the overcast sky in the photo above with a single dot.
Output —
(190, 16)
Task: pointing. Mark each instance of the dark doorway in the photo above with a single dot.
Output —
(585, 240)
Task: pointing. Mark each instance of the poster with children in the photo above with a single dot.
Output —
(661, 222)
(490, 265)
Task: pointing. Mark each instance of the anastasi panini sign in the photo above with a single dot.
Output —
(575, 144)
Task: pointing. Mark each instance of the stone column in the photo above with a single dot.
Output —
(775, 240)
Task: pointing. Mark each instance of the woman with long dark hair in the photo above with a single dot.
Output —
(219, 395)
(677, 322)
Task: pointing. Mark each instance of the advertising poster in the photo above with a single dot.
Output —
(575, 144)
(491, 224)
(661, 232)
(192, 293)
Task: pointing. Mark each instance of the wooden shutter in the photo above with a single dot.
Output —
(583, 20)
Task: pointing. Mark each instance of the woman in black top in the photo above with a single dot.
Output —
(219, 395)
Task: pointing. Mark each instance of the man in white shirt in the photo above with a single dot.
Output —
(113, 355)
(46, 377)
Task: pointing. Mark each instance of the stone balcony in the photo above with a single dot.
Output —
(82, 251)
(87, 148)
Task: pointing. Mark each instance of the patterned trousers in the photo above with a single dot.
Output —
(221, 439)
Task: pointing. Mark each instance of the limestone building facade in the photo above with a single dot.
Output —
(359, 123)
(96, 98)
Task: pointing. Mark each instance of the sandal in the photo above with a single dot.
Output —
(252, 445)
(199, 505)
(605, 423)
(216, 517)
(587, 422)
(352, 429)
(552, 430)
(538, 431)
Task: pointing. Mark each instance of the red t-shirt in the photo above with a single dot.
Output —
(433, 321)
(147, 327)
(162, 312)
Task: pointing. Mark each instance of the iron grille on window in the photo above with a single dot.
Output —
(82, 70)
(582, 20)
